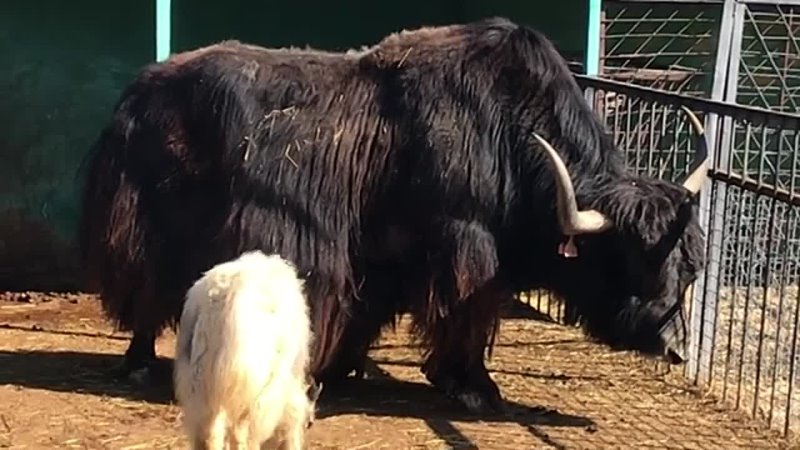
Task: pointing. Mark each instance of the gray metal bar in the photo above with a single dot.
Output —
(754, 115)
(791, 198)
(714, 2)
(699, 2)
(771, 2)
(704, 298)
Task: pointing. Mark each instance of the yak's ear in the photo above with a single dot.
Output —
(659, 252)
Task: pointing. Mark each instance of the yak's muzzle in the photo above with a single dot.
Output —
(674, 336)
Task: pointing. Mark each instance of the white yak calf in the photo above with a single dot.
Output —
(242, 356)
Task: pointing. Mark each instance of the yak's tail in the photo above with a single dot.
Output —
(114, 234)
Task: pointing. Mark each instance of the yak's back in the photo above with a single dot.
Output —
(424, 45)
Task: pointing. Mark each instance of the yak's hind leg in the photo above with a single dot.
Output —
(153, 312)
(140, 358)
(458, 316)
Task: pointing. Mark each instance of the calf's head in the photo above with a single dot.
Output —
(629, 266)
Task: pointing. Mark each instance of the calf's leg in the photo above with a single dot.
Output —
(210, 435)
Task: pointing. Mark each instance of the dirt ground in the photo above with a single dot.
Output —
(563, 393)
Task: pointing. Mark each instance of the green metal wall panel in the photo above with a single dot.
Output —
(63, 65)
(353, 23)
(563, 21)
(318, 23)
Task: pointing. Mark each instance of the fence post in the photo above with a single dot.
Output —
(592, 62)
(163, 28)
(705, 292)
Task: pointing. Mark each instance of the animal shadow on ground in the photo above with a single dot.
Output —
(516, 309)
(379, 394)
(382, 395)
(88, 373)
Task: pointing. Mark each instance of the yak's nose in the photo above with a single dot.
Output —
(674, 356)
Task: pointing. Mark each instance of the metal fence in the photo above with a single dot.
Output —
(657, 44)
(745, 312)
(735, 63)
(673, 45)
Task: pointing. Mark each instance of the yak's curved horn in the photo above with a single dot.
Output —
(697, 177)
(572, 221)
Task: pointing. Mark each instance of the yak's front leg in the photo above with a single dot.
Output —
(456, 363)
(459, 313)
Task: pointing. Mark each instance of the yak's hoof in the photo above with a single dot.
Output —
(479, 397)
(141, 377)
(481, 402)
(137, 375)
(370, 370)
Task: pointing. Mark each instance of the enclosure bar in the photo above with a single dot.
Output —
(752, 114)
(651, 138)
(593, 38)
(765, 275)
(163, 28)
(737, 246)
(751, 185)
(712, 206)
(676, 156)
(706, 2)
(774, 2)
(792, 362)
(794, 341)
(787, 233)
(662, 161)
(749, 287)
(674, 1)
(721, 194)
(638, 129)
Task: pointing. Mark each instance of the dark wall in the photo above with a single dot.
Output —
(63, 65)
(353, 23)
(319, 23)
(563, 21)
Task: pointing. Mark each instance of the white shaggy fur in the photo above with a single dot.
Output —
(242, 355)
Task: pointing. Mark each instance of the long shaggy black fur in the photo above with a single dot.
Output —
(399, 178)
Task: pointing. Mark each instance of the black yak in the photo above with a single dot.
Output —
(412, 176)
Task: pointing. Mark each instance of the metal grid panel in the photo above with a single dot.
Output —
(769, 74)
(656, 44)
(766, 156)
